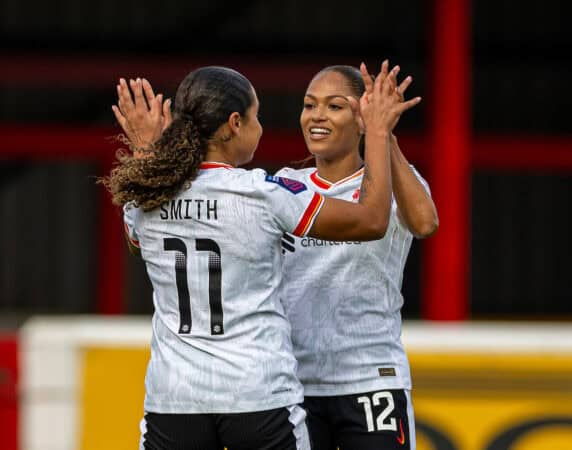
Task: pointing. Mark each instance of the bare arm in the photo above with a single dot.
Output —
(380, 108)
(415, 208)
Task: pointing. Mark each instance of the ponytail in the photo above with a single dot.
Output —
(205, 99)
(172, 164)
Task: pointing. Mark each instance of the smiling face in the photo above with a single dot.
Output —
(328, 123)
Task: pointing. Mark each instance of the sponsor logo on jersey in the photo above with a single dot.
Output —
(288, 243)
(312, 242)
(290, 185)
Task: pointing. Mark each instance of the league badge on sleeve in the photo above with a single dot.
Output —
(295, 187)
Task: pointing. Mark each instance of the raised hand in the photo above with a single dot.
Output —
(143, 115)
(382, 103)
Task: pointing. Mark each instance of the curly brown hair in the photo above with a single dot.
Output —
(204, 101)
(150, 181)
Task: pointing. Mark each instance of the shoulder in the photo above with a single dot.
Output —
(259, 182)
(242, 179)
(295, 174)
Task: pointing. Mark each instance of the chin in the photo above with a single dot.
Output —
(317, 148)
(322, 151)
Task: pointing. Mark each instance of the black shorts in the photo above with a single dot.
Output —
(277, 429)
(372, 420)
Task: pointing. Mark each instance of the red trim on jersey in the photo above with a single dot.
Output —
(325, 184)
(309, 215)
(214, 165)
(320, 182)
(133, 241)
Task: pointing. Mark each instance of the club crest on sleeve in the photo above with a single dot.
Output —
(291, 185)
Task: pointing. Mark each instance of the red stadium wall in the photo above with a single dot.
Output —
(449, 248)
(448, 150)
(9, 391)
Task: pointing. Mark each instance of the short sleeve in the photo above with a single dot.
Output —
(129, 220)
(292, 204)
(284, 172)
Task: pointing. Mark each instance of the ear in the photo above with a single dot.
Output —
(234, 123)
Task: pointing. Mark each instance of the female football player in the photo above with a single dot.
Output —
(222, 372)
(343, 299)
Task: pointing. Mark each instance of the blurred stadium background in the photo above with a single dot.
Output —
(488, 308)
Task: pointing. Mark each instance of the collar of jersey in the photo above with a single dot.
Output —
(214, 165)
(325, 184)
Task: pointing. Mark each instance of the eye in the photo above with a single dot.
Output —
(335, 107)
(308, 105)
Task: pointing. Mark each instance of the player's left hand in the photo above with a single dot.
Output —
(143, 115)
(382, 108)
(368, 92)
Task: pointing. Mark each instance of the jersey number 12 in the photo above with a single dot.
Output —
(380, 422)
(215, 301)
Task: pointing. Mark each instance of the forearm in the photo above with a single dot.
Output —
(415, 206)
(375, 191)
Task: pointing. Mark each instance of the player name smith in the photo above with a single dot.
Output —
(198, 209)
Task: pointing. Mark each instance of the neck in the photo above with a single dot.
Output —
(217, 154)
(335, 170)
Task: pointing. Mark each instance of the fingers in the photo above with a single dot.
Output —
(356, 110)
(391, 81)
(156, 106)
(404, 106)
(125, 102)
(384, 70)
(400, 90)
(137, 88)
(120, 118)
(354, 104)
(388, 85)
(405, 84)
(384, 67)
(368, 82)
(167, 116)
(148, 91)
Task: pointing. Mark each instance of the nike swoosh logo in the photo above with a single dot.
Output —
(401, 437)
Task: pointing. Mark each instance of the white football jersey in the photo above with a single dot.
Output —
(221, 341)
(343, 300)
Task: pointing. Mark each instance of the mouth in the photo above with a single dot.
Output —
(319, 133)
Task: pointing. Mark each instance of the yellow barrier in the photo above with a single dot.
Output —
(462, 402)
(112, 397)
(476, 386)
(493, 401)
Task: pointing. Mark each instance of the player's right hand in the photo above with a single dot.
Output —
(143, 115)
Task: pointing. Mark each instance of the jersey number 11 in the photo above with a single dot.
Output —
(215, 302)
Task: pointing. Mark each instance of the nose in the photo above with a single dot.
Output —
(318, 114)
